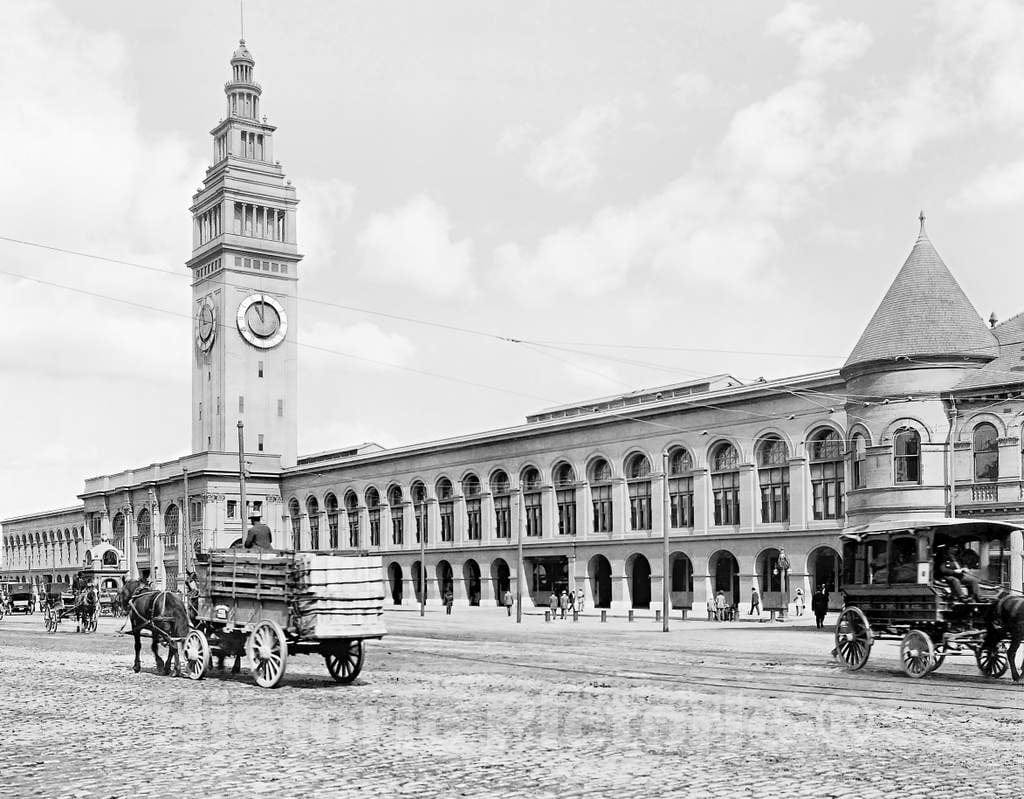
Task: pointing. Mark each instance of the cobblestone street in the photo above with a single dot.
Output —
(474, 705)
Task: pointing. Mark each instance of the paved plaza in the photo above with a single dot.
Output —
(476, 705)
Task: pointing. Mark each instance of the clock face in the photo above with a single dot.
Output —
(262, 321)
(206, 328)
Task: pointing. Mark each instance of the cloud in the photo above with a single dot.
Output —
(691, 87)
(821, 46)
(567, 160)
(364, 340)
(999, 184)
(326, 210)
(515, 137)
(413, 247)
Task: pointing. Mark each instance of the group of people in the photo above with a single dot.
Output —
(720, 608)
(566, 602)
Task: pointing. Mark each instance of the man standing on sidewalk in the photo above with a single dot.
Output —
(506, 600)
(755, 601)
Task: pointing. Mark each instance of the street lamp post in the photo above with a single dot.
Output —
(665, 524)
(521, 523)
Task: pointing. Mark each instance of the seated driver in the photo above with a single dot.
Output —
(955, 575)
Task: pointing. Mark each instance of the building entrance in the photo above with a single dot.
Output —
(547, 575)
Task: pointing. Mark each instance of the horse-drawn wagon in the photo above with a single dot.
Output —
(894, 589)
(272, 604)
(59, 603)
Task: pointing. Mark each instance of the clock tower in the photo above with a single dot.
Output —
(244, 267)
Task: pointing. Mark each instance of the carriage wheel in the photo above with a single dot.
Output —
(267, 649)
(197, 654)
(345, 660)
(853, 638)
(939, 658)
(993, 662)
(917, 654)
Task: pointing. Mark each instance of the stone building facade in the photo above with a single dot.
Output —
(924, 420)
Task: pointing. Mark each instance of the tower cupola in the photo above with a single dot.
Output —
(242, 90)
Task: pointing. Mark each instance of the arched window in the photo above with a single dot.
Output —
(680, 487)
(144, 530)
(502, 498)
(986, 452)
(773, 479)
(860, 456)
(373, 511)
(827, 474)
(294, 511)
(565, 498)
(601, 495)
(725, 484)
(352, 511)
(530, 479)
(117, 527)
(331, 508)
(471, 491)
(446, 508)
(313, 512)
(906, 447)
(397, 505)
(638, 475)
(172, 523)
(419, 506)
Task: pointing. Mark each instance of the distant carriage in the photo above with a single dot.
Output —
(892, 590)
(272, 604)
(20, 598)
(59, 603)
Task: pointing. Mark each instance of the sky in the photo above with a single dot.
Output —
(635, 193)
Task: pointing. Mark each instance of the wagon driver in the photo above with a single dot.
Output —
(258, 536)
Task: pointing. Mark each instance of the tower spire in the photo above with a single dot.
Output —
(241, 20)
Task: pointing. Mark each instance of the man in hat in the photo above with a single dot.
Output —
(258, 536)
(962, 583)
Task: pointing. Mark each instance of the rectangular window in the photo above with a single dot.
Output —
(827, 487)
(375, 527)
(601, 499)
(218, 406)
(314, 530)
(502, 517)
(680, 495)
(774, 494)
(259, 369)
(232, 508)
(473, 519)
(353, 528)
(280, 407)
(237, 226)
(259, 443)
(422, 526)
(447, 521)
(725, 488)
(534, 514)
(640, 505)
(397, 526)
(332, 530)
(200, 410)
(241, 404)
(566, 499)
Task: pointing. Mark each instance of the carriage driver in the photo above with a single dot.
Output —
(956, 576)
(258, 536)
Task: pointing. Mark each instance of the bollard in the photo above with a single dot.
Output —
(657, 615)
(683, 614)
(575, 615)
(631, 614)
(547, 615)
(604, 615)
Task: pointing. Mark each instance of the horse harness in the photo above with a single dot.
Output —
(148, 623)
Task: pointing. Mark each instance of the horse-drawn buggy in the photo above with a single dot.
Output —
(59, 604)
(273, 604)
(933, 585)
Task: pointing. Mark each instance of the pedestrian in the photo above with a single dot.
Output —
(506, 600)
(579, 601)
(553, 605)
(819, 606)
(720, 605)
(572, 601)
(449, 600)
(798, 602)
(755, 601)
(563, 602)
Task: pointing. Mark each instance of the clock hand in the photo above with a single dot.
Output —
(261, 312)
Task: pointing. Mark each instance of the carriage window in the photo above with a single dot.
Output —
(877, 555)
(907, 456)
(904, 561)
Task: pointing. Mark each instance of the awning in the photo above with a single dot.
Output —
(956, 527)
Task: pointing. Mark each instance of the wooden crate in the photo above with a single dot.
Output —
(338, 596)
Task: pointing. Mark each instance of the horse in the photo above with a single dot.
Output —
(85, 608)
(161, 612)
(1006, 616)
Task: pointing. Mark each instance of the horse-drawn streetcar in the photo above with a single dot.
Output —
(918, 582)
(269, 605)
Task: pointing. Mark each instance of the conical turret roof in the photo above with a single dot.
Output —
(924, 314)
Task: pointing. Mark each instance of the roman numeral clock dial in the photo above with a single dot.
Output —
(262, 321)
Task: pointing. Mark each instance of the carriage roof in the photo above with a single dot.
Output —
(987, 530)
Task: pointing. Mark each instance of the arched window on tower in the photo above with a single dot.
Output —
(986, 452)
(827, 475)
(906, 448)
(859, 453)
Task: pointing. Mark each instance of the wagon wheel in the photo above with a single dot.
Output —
(94, 621)
(853, 638)
(46, 619)
(939, 657)
(917, 654)
(197, 654)
(267, 649)
(345, 660)
(993, 662)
